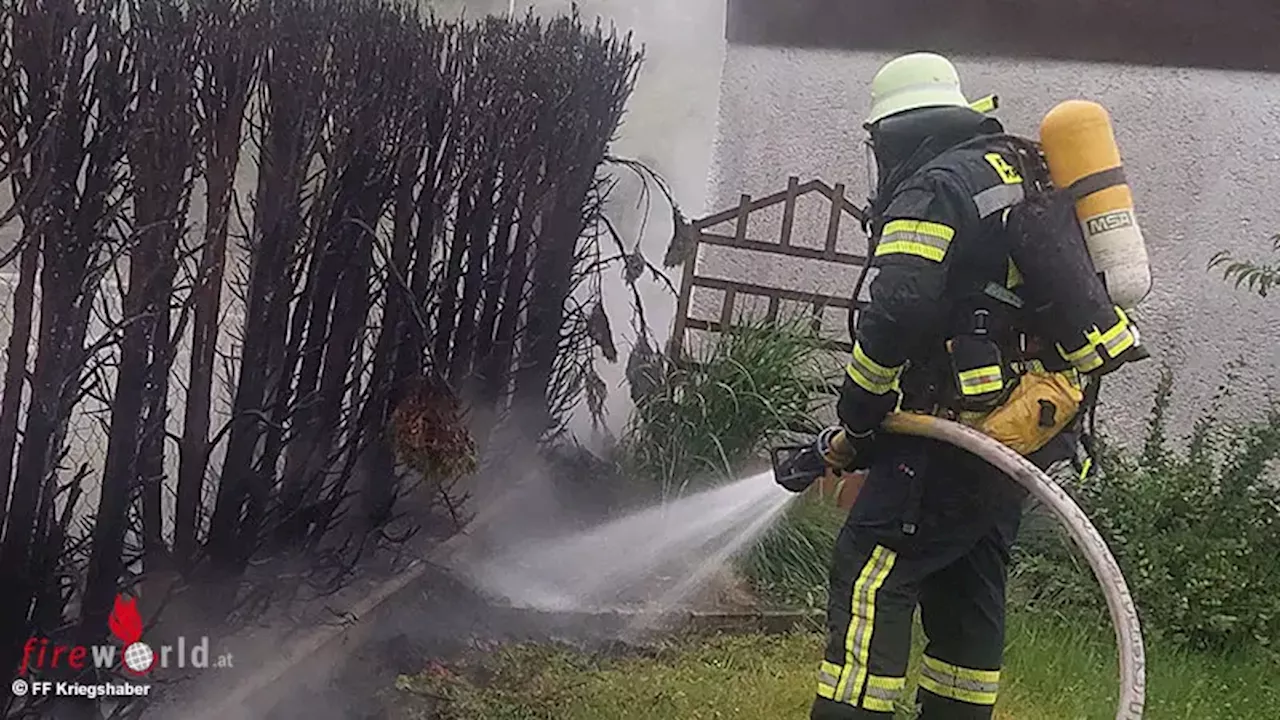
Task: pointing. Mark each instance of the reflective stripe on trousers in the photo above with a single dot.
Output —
(966, 685)
(844, 683)
(883, 692)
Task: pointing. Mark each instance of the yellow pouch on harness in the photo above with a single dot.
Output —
(1040, 406)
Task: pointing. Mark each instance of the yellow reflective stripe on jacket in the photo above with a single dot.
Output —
(1114, 340)
(921, 238)
(976, 687)
(883, 692)
(1120, 337)
(870, 375)
(983, 380)
(857, 639)
(1084, 360)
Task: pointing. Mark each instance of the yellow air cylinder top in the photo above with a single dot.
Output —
(1080, 148)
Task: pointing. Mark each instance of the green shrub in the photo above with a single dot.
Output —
(1195, 527)
(715, 414)
(1253, 275)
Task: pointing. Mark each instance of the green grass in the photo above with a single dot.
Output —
(1054, 671)
(1067, 670)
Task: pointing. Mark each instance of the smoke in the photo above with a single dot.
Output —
(670, 126)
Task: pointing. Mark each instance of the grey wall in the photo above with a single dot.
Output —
(1202, 149)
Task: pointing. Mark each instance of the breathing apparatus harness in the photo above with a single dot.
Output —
(902, 145)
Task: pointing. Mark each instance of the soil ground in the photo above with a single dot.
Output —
(441, 622)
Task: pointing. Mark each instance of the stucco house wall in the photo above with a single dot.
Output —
(1202, 151)
(720, 117)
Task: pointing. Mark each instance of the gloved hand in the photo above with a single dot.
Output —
(861, 413)
(844, 450)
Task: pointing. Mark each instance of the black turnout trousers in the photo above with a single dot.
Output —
(932, 528)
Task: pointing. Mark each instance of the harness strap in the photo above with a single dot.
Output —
(1097, 182)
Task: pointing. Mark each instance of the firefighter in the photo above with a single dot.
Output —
(943, 333)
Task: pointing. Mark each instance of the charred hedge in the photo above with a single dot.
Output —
(270, 259)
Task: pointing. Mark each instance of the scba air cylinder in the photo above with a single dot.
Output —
(1079, 145)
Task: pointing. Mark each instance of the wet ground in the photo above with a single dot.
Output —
(438, 620)
(441, 617)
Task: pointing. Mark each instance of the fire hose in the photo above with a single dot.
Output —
(1124, 616)
(796, 466)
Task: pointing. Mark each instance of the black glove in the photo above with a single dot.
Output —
(853, 451)
(860, 411)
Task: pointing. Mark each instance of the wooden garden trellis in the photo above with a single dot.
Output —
(840, 206)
